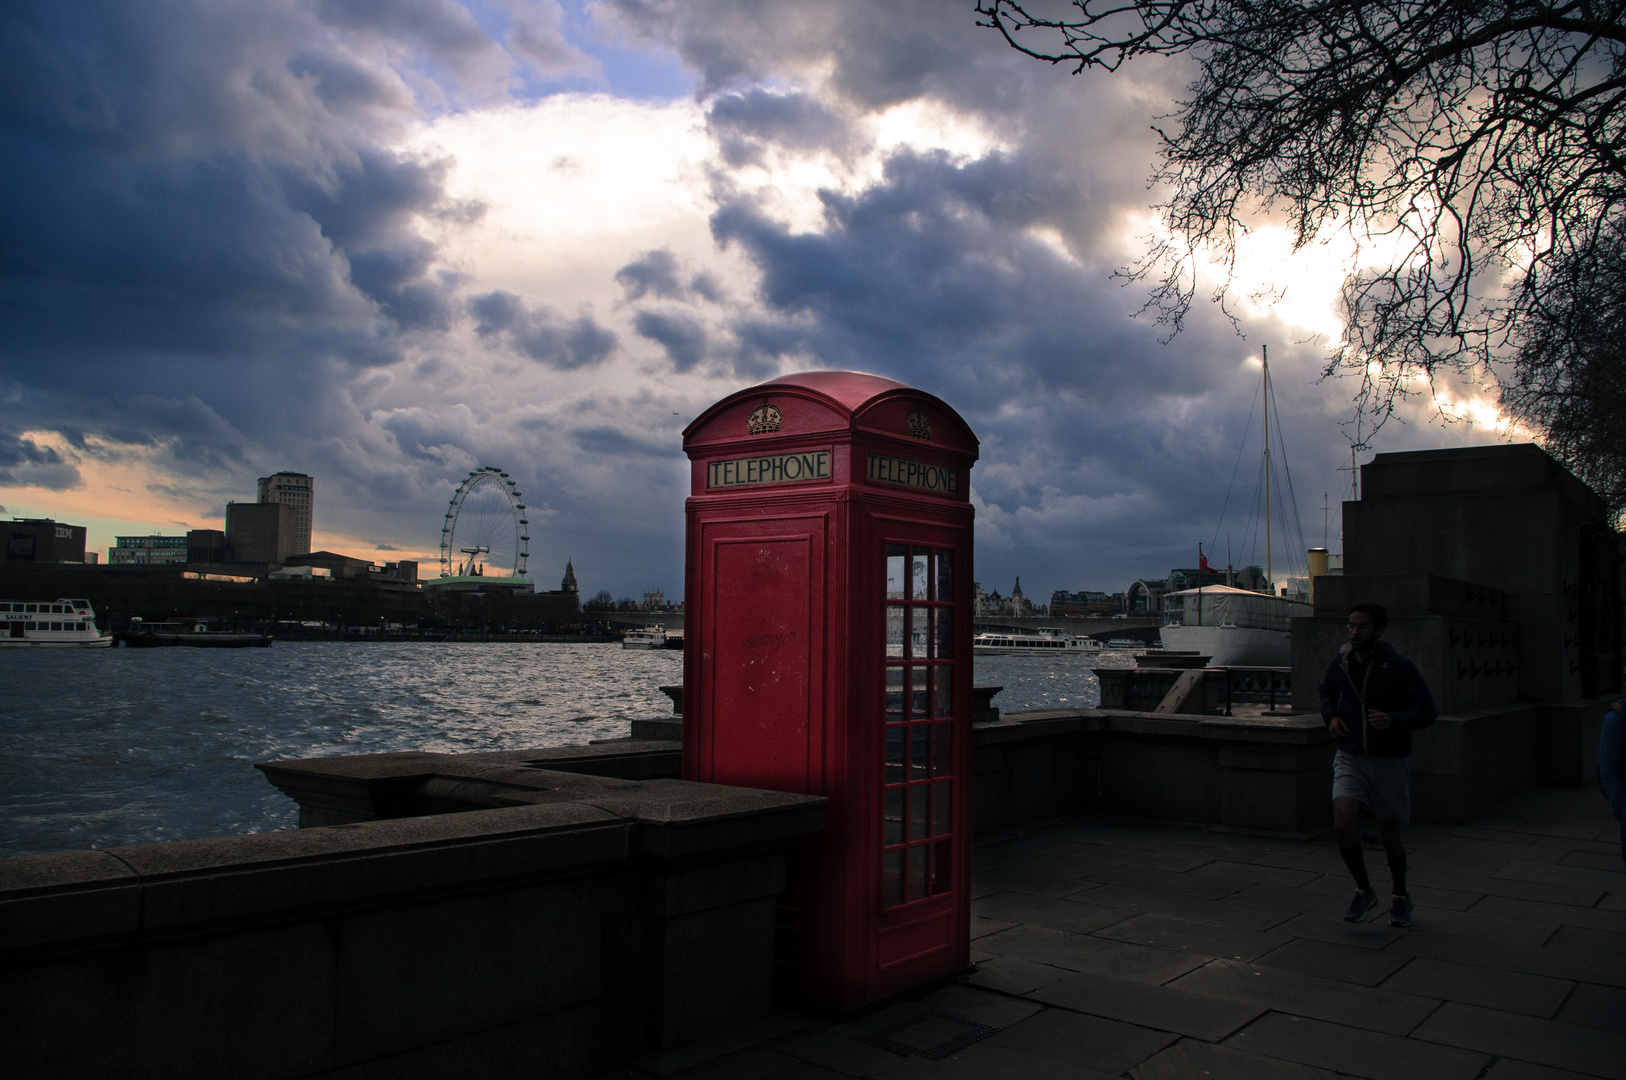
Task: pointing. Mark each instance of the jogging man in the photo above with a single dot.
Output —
(1372, 699)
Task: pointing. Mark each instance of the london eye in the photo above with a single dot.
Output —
(486, 532)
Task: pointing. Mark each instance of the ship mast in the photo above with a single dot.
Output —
(1270, 577)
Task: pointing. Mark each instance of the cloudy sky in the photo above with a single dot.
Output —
(384, 242)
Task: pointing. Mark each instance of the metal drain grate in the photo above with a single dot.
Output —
(933, 1036)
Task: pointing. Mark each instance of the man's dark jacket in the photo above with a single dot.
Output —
(1390, 684)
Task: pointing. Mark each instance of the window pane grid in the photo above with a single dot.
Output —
(918, 772)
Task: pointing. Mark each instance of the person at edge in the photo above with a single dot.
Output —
(1372, 699)
(1612, 765)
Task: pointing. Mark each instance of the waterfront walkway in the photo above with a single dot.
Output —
(1114, 948)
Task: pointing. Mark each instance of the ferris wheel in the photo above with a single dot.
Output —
(486, 531)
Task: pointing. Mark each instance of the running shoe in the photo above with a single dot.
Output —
(1400, 911)
(1365, 900)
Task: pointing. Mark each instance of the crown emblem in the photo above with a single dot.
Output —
(765, 418)
(920, 425)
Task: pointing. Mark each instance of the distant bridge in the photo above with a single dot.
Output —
(1139, 627)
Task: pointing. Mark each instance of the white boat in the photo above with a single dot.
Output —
(1125, 643)
(1045, 640)
(647, 637)
(60, 624)
(1232, 627)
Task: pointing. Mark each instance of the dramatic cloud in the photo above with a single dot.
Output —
(386, 244)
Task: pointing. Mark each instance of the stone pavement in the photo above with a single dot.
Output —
(1111, 947)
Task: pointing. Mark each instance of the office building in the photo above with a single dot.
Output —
(261, 532)
(157, 550)
(43, 540)
(296, 491)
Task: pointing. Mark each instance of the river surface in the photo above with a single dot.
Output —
(108, 747)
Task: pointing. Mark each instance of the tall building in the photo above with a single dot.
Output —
(44, 540)
(262, 532)
(156, 550)
(294, 490)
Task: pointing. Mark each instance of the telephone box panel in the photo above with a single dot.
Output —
(828, 575)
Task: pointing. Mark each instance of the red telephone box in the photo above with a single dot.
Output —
(828, 591)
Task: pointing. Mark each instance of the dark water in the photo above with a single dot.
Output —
(108, 747)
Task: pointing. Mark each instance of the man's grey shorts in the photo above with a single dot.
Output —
(1382, 783)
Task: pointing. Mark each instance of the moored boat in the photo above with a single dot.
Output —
(1046, 640)
(59, 624)
(192, 635)
(645, 637)
(1233, 627)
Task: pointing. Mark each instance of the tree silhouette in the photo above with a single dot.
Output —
(1477, 145)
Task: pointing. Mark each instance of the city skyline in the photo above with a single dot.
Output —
(385, 252)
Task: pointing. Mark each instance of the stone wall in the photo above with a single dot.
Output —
(561, 934)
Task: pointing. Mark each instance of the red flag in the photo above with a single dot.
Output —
(1202, 563)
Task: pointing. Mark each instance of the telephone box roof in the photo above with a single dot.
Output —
(848, 394)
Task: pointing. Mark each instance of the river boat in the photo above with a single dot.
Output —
(1046, 640)
(645, 637)
(1125, 643)
(191, 635)
(1237, 627)
(1232, 627)
(59, 624)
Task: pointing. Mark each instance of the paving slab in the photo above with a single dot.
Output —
(981, 1006)
(752, 1066)
(1596, 1006)
(1527, 1038)
(1586, 939)
(1013, 975)
(1375, 933)
(1533, 960)
(1500, 885)
(1197, 882)
(1079, 952)
(1511, 991)
(982, 926)
(1376, 1009)
(1193, 935)
(1508, 1069)
(1190, 1058)
(1329, 960)
(1039, 882)
(984, 1061)
(1108, 1046)
(1482, 926)
(1226, 912)
(1356, 1051)
(1056, 913)
(1561, 914)
(1569, 877)
(1160, 1007)
(1105, 856)
(846, 1056)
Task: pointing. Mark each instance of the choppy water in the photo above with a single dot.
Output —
(102, 748)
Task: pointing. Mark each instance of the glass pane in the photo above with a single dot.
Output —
(894, 753)
(894, 630)
(942, 866)
(919, 751)
(894, 693)
(942, 807)
(920, 633)
(892, 878)
(893, 833)
(895, 554)
(945, 575)
(917, 871)
(943, 692)
(943, 750)
(945, 633)
(917, 695)
(917, 810)
(920, 586)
